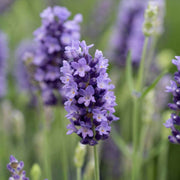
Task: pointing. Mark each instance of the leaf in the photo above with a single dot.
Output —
(152, 86)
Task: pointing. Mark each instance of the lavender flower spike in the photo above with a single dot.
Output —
(3, 62)
(128, 32)
(174, 88)
(52, 37)
(16, 169)
(90, 100)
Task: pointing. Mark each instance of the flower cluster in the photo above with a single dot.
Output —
(128, 32)
(150, 22)
(16, 169)
(90, 99)
(52, 37)
(174, 88)
(3, 62)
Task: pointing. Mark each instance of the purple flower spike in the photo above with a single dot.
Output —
(90, 100)
(174, 88)
(55, 33)
(128, 32)
(16, 169)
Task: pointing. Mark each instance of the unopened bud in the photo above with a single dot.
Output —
(164, 58)
(35, 172)
(79, 155)
(151, 14)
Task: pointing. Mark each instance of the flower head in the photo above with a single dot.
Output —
(90, 100)
(174, 120)
(128, 32)
(16, 169)
(52, 37)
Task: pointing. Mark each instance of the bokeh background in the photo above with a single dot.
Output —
(18, 19)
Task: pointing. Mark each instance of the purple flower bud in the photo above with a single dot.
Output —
(90, 100)
(16, 169)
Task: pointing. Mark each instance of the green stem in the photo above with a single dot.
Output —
(143, 134)
(151, 54)
(46, 152)
(59, 117)
(136, 108)
(78, 173)
(135, 138)
(141, 68)
(163, 160)
(96, 160)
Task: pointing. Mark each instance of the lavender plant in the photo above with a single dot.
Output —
(52, 37)
(90, 99)
(174, 88)
(3, 63)
(16, 169)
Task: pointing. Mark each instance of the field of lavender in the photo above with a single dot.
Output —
(68, 69)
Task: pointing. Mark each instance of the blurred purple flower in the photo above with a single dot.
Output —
(128, 32)
(55, 33)
(3, 63)
(89, 99)
(99, 19)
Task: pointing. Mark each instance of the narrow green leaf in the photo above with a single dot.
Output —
(152, 86)
(121, 144)
(129, 76)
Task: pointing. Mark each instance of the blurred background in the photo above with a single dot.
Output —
(22, 135)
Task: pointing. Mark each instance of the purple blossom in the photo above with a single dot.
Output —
(128, 32)
(55, 33)
(16, 169)
(3, 63)
(103, 128)
(81, 67)
(87, 96)
(90, 100)
(174, 88)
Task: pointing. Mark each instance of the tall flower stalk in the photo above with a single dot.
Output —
(90, 100)
(149, 28)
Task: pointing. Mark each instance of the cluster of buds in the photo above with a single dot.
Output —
(80, 153)
(151, 14)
